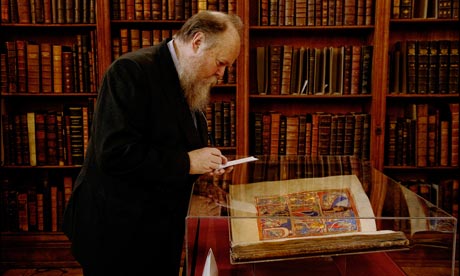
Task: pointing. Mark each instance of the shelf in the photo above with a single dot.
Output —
(310, 97)
(46, 26)
(321, 29)
(32, 95)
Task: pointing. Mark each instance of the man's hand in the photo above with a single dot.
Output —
(207, 160)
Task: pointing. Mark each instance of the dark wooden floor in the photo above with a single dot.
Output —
(411, 268)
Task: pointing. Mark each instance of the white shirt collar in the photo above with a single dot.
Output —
(173, 53)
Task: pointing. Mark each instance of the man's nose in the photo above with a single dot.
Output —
(220, 71)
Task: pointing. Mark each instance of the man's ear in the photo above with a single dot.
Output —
(197, 40)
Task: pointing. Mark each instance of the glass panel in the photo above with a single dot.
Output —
(326, 211)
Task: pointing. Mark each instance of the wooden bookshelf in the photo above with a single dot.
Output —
(380, 29)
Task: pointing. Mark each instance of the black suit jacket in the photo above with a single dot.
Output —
(133, 191)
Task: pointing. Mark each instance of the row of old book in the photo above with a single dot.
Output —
(47, 138)
(130, 40)
(33, 204)
(441, 9)
(133, 39)
(316, 12)
(443, 194)
(48, 11)
(290, 70)
(426, 135)
(318, 133)
(166, 9)
(425, 67)
(61, 137)
(283, 167)
(30, 67)
(221, 118)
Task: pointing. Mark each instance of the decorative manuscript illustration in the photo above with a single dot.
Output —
(293, 215)
(273, 220)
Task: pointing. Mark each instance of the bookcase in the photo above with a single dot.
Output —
(422, 100)
(50, 70)
(348, 49)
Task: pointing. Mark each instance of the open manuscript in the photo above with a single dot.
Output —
(304, 217)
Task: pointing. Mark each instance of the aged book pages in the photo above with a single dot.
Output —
(304, 217)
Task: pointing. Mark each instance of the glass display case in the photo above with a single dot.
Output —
(334, 215)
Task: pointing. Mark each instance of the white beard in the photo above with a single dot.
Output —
(197, 91)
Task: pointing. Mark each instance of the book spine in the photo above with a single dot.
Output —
(356, 63)
(422, 134)
(282, 135)
(54, 208)
(308, 134)
(405, 9)
(32, 208)
(454, 140)
(273, 15)
(22, 139)
(21, 52)
(302, 135)
(349, 12)
(432, 138)
(292, 135)
(366, 69)
(300, 13)
(51, 138)
(443, 68)
(411, 71)
(444, 144)
(360, 12)
(340, 137)
(60, 132)
(324, 133)
(275, 53)
(8, 139)
(12, 68)
(433, 63)
(40, 212)
(67, 70)
(263, 13)
(5, 12)
(454, 67)
(40, 138)
(32, 138)
(57, 68)
(347, 69)
(275, 118)
(33, 68)
(46, 63)
(218, 115)
(75, 114)
(135, 39)
(23, 217)
(366, 137)
(226, 127)
(24, 12)
(333, 135)
(286, 67)
(233, 123)
(3, 73)
(421, 71)
(266, 133)
(256, 132)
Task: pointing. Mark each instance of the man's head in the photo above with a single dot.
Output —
(205, 45)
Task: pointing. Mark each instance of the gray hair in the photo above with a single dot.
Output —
(211, 23)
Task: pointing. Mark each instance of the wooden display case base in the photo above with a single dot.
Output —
(35, 250)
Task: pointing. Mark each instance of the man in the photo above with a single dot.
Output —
(127, 212)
